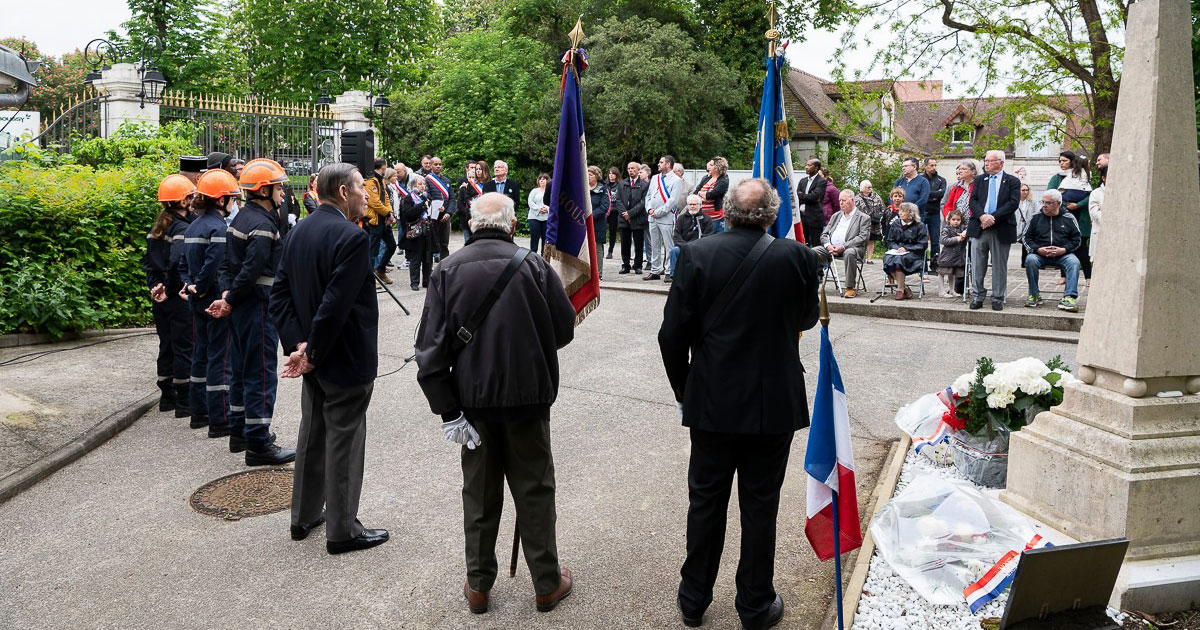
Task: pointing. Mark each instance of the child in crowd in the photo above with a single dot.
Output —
(952, 259)
(1076, 184)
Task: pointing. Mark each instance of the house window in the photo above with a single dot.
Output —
(960, 135)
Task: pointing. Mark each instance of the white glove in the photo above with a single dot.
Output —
(292, 220)
(679, 410)
(459, 431)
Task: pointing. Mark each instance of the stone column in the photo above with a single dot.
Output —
(1121, 456)
(120, 85)
(351, 109)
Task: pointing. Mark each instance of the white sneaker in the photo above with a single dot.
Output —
(947, 294)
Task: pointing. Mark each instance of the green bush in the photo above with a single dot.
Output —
(73, 231)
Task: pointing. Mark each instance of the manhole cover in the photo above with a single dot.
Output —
(250, 493)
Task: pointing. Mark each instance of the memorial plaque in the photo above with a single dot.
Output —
(1071, 583)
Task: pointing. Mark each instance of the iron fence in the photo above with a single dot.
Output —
(80, 120)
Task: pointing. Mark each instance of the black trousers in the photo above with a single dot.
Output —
(173, 322)
(636, 238)
(812, 229)
(760, 462)
(420, 260)
(612, 231)
(442, 232)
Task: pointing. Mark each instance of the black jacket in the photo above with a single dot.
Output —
(745, 376)
(410, 213)
(631, 198)
(1007, 200)
(689, 227)
(509, 371)
(937, 190)
(717, 194)
(466, 194)
(600, 207)
(252, 251)
(1061, 230)
(512, 190)
(161, 260)
(813, 213)
(203, 254)
(324, 293)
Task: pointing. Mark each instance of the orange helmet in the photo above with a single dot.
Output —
(175, 187)
(261, 172)
(217, 183)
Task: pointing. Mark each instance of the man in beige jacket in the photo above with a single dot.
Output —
(845, 237)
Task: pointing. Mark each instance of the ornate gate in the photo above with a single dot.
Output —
(301, 137)
(81, 119)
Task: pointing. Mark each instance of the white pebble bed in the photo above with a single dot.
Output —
(889, 602)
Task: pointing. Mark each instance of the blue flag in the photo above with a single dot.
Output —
(570, 235)
(773, 151)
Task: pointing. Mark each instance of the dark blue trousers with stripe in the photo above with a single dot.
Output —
(215, 387)
(256, 348)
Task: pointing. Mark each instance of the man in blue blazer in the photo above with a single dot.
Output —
(324, 305)
(992, 227)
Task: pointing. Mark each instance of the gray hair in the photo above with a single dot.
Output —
(696, 197)
(492, 211)
(332, 177)
(912, 210)
(865, 183)
(1054, 196)
(969, 164)
(846, 192)
(996, 154)
(752, 203)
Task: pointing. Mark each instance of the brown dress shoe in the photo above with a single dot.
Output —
(546, 603)
(477, 601)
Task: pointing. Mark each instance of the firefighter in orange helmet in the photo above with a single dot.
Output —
(164, 247)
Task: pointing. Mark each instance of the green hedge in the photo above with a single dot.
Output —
(73, 230)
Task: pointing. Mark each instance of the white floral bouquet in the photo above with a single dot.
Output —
(1005, 395)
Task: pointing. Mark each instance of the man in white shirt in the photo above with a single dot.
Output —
(845, 236)
(663, 201)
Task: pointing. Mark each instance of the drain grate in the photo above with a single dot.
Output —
(245, 494)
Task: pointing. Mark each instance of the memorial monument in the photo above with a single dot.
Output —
(1121, 456)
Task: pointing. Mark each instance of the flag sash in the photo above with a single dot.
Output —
(433, 181)
(663, 192)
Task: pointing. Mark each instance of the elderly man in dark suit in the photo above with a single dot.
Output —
(630, 204)
(992, 227)
(502, 184)
(324, 305)
(738, 304)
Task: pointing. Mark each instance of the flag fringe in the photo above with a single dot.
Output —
(587, 310)
(569, 260)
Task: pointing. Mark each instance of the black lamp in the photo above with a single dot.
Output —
(152, 84)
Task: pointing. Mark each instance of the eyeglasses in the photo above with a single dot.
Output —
(1051, 203)
(992, 160)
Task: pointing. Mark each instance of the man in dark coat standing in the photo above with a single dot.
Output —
(502, 184)
(993, 227)
(810, 190)
(324, 305)
(931, 213)
(743, 425)
(502, 422)
(630, 202)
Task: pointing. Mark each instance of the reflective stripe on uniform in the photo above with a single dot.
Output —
(234, 231)
(267, 233)
(177, 237)
(179, 381)
(199, 379)
(258, 421)
(218, 388)
(197, 239)
(163, 378)
(236, 408)
(265, 280)
(218, 239)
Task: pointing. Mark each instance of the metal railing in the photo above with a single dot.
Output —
(81, 119)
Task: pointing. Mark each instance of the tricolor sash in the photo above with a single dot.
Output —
(663, 191)
(477, 187)
(436, 183)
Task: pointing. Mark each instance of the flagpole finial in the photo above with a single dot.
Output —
(824, 307)
(772, 35)
(576, 33)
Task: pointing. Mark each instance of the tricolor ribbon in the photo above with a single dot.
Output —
(433, 181)
(999, 577)
(662, 190)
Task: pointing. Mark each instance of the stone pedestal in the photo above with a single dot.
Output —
(351, 108)
(1116, 459)
(120, 86)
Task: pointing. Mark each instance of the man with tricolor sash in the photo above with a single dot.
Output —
(663, 201)
(439, 190)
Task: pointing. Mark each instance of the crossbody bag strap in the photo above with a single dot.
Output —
(467, 331)
(735, 282)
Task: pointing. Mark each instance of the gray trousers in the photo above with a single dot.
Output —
(851, 256)
(329, 456)
(660, 244)
(520, 451)
(986, 246)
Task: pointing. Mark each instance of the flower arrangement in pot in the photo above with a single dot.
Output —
(986, 405)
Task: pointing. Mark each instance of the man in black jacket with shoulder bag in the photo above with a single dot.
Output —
(324, 305)
(737, 306)
(467, 354)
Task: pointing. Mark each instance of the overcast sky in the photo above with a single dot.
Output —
(60, 26)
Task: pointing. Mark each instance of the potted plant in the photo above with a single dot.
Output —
(993, 401)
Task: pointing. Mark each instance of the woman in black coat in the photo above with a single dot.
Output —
(908, 237)
(418, 241)
(601, 203)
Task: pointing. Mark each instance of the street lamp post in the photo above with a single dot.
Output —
(101, 53)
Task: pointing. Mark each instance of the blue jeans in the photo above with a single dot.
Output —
(1068, 263)
(718, 227)
(256, 344)
(674, 256)
(375, 244)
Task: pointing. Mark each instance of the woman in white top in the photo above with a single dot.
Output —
(538, 214)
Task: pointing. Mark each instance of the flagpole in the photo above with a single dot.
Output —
(837, 525)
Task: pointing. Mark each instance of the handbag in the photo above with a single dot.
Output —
(418, 229)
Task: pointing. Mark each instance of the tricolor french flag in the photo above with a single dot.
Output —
(829, 463)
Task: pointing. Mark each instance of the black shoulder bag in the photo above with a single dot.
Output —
(467, 331)
(735, 282)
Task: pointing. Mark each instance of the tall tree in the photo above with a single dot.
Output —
(191, 33)
(1041, 49)
(673, 102)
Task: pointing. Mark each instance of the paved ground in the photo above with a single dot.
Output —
(111, 542)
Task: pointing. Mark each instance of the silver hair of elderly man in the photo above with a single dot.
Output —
(492, 211)
(1053, 195)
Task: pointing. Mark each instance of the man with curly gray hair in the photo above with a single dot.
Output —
(725, 318)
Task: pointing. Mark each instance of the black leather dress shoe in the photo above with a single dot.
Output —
(976, 305)
(272, 455)
(689, 620)
(198, 422)
(237, 444)
(773, 616)
(301, 531)
(623, 271)
(367, 539)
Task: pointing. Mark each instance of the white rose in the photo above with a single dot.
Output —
(962, 385)
(1000, 399)
(1066, 377)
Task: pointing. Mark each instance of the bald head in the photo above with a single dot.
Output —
(752, 203)
(493, 211)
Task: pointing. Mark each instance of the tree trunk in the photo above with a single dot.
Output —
(1102, 121)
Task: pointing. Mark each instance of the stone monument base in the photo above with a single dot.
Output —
(1104, 465)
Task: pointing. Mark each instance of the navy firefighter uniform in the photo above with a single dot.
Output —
(172, 320)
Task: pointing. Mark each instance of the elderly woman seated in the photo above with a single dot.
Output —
(907, 239)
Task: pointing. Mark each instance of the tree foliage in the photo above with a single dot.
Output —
(672, 102)
(1036, 50)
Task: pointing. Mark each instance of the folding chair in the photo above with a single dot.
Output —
(837, 279)
(889, 285)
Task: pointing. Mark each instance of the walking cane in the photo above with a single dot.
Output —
(389, 292)
(512, 566)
